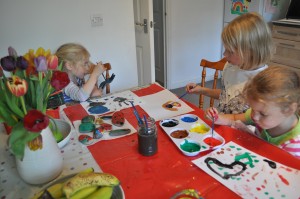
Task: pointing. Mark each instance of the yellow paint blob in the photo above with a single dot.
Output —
(199, 128)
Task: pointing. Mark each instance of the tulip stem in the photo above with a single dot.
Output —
(23, 104)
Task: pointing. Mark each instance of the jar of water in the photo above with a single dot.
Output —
(147, 137)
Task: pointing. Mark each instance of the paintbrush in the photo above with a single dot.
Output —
(139, 119)
(183, 95)
(212, 126)
(171, 105)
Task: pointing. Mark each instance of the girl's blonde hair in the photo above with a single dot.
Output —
(276, 84)
(250, 37)
(72, 52)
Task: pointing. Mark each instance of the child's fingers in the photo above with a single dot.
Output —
(211, 114)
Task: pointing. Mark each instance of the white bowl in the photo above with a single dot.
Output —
(65, 128)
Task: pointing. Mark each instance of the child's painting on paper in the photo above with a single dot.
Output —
(249, 174)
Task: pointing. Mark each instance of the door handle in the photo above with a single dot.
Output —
(145, 25)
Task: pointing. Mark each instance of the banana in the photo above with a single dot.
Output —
(88, 170)
(55, 191)
(103, 193)
(82, 193)
(84, 180)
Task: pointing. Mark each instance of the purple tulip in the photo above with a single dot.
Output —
(22, 63)
(12, 52)
(41, 63)
(8, 63)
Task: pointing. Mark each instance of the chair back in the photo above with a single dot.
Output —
(107, 76)
(217, 66)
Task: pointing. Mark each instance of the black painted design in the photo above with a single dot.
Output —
(271, 163)
(228, 166)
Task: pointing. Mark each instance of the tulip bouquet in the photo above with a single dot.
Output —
(25, 91)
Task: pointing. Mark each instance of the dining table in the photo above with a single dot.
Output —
(158, 176)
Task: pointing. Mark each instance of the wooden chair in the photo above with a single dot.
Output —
(106, 76)
(217, 66)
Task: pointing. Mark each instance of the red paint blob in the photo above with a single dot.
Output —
(212, 142)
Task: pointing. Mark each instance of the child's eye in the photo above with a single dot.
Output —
(86, 64)
(263, 114)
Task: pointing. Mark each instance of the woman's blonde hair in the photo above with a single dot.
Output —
(72, 52)
(250, 37)
(276, 84)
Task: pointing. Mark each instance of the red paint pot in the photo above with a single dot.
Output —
(214, 142)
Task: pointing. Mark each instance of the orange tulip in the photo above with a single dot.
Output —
(17, 86)
(52, 62)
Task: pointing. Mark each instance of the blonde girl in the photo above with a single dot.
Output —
(274, 98)
(76, 63)
(247, 41)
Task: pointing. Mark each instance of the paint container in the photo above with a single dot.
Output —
(147, 137)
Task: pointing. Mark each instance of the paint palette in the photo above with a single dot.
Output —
(191, 134)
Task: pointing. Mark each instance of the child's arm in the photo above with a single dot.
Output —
(224, 119)
(196, 89)
(89, 86)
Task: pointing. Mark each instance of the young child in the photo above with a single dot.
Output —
(274, 98)
(247, 41)
(76, 63)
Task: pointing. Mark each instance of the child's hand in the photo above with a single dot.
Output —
(212, 113)
(96, 92)
(99, 69)
(192, 88)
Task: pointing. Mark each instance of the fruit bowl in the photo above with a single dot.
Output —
(118, 192)
(65, 128)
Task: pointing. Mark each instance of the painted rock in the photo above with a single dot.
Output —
(86, 127)
(98, 133)
(88, 119)
(98, 109)
(119, 132)
(98, 120)
(85, 139)
(118, 118)
(105, 127)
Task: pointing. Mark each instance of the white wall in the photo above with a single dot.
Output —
(33, 23)
(193, 32)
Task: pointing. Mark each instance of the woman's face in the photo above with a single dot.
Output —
(232, 57)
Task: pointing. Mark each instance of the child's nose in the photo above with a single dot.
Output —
(255, 117)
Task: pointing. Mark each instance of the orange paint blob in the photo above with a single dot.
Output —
(212, 142)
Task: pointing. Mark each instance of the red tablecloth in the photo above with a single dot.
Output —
(169, 171)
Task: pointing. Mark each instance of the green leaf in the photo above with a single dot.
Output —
(19, 138)
(12, 105)
(39, 97)
(7, 115)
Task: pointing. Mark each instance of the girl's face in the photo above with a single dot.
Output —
(81, 68)
(232, 57)
(267, 115)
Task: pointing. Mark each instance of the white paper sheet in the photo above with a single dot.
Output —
(257, 180)
(111, 104)
(153, 105)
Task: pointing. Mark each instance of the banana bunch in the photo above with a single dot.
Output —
(86, 184)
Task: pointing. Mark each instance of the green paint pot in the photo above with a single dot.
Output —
(190, 147)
